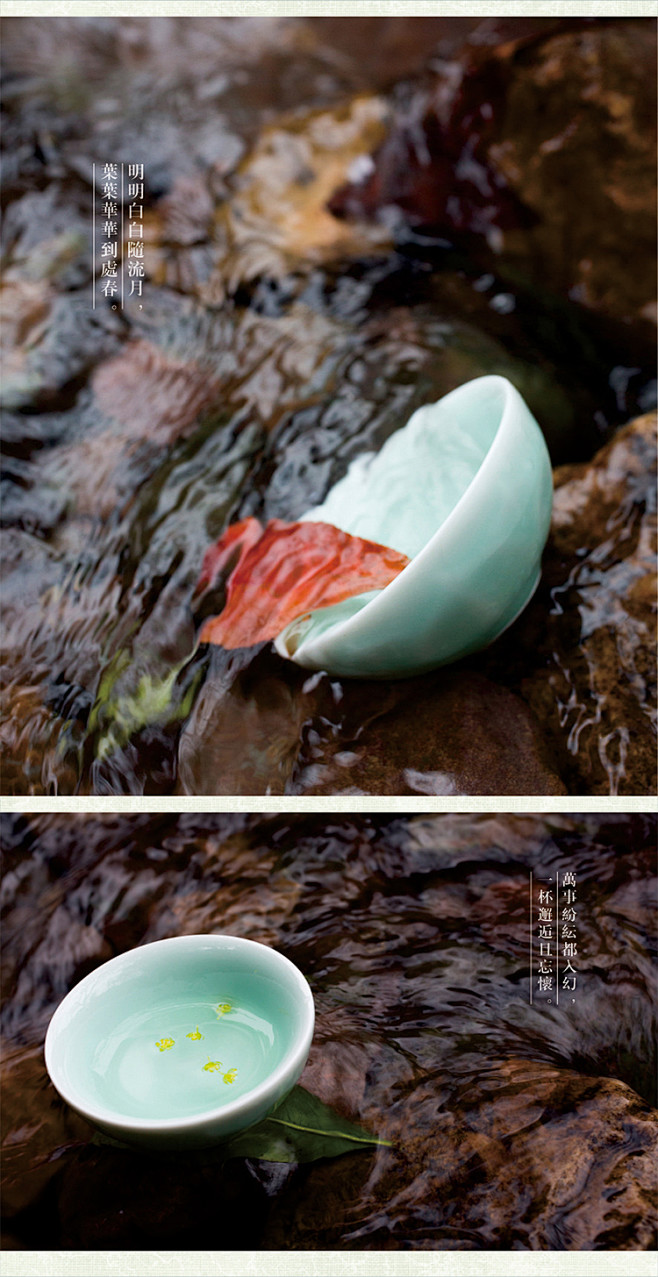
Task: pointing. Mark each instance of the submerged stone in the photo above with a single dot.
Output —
(593, 683)
(511, 1126)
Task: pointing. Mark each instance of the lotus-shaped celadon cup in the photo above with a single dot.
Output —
(465, 491)
(181, 1043)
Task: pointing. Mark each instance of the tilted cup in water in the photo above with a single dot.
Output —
(465, 490)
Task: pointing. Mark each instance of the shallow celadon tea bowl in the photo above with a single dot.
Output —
(465, 491)
(183, 1042)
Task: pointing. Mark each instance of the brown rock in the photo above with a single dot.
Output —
(577, 145)
(35, 1120)
(450, 733)
(593, 624)
(243, 734)
(512, 1127)
(279, 216)
(555, 1140)
(546, 148)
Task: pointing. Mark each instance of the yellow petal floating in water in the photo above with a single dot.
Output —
(196, 1036)
(222, 1009)
(165, 1044)
(213, 1066)
(231, 1075)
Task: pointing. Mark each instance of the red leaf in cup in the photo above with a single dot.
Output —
(285, 570)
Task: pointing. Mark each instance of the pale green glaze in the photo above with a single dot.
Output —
(465, 490)
(182, 1042)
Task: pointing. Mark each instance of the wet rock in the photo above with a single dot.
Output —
(110, 1198)
(243, 734)
(533, 1133)
(38, 1123)
(272, 730)
(47, 238)
(53, 342)
(33, 746)
(455, 733)
(146, 393)
(279, 216)
(577, 145)
(38, 755)
(202, 69)
(26, 305)
(51, 639)
(234, 894)
(593, 623)
(512, 1127)
(546, 149)
(388, 49)
(274, 345)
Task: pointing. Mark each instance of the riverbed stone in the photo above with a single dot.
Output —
(544, 148)
(511, 1125)
(450, 733)
(592, 627)
(577, 145)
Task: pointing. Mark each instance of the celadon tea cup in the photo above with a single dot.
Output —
(465, 491)
(181, 1043)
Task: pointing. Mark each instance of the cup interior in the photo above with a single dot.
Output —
(167, 1032)
(401, 496)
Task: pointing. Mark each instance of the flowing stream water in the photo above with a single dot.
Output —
(275, 343)
(512, 1125)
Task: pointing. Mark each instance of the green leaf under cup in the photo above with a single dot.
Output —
(301, 1129)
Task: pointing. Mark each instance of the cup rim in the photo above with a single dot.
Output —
(339, 628)
(292, 1062)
